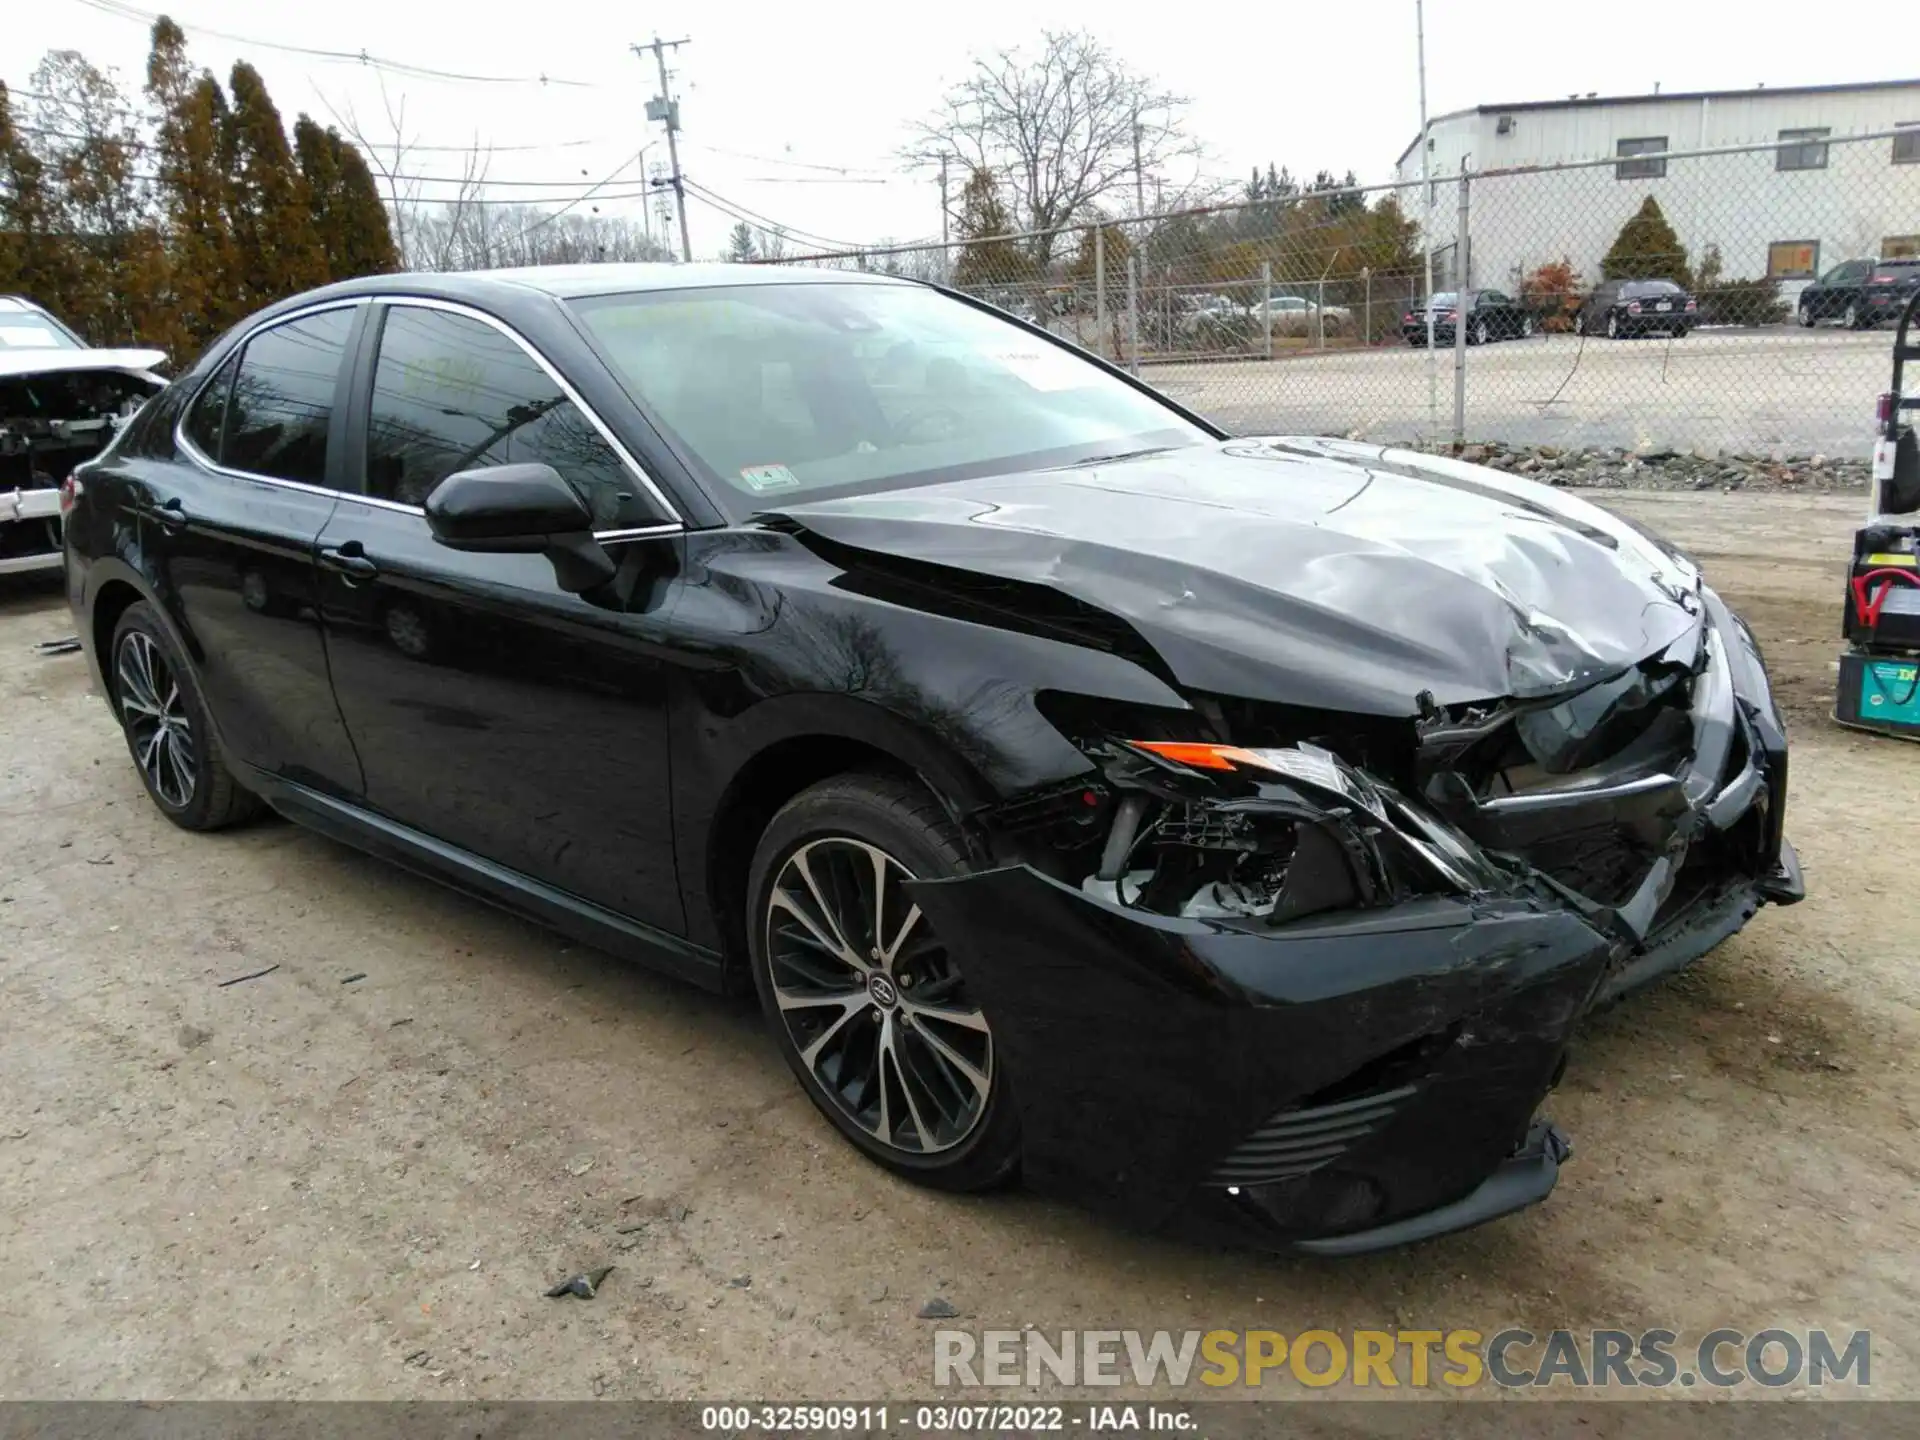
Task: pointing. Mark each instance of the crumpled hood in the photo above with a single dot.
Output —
(47, 361)
(1310, 572)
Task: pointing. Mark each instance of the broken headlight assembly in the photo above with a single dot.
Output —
(1266, 835)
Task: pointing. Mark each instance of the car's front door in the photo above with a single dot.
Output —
(491, 709)
(230, 531)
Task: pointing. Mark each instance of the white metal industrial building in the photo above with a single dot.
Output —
(1806, 200)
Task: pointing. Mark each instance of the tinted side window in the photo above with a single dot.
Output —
(207, 421)
(451, 393)
(283, 398)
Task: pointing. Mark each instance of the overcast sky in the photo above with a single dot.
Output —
(782, 104)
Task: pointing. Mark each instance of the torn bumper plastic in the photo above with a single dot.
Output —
(1714, 824)
(1343, 1076)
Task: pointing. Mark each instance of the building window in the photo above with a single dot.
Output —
(1803, 149)
(1641, 169)
(1906, 145)
(1900, 247)
(1793, 259)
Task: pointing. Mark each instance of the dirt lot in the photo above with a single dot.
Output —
(306, 1188)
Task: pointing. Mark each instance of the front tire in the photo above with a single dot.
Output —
(164, 717)
(870, 1010)
(1806, 316)
(1613, 327)
(1480, 333)
(1851, 319)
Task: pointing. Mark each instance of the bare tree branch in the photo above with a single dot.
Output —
(1059, 128)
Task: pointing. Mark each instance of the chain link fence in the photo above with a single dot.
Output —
(1717, 301)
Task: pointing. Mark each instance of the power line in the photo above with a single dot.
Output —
(146, 147)
(779, 160)
(356, 57)
(630, 160)
(740, 212)
(813, 180)
(468, 149)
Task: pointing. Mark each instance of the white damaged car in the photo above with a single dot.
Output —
(61, 402)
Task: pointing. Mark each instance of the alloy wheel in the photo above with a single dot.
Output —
(1480, 333)
(1613, 327)
(874, 1005)
(1852, 318)
(1526, 327)
(154, 711)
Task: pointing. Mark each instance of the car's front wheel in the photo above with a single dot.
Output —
(1806, 315)
(871, 1010)
(1613, 327)
(1481, 334)
(164, 717)
(1526, 327)
(1851, 319)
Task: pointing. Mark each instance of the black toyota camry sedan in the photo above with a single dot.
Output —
(1230, 832)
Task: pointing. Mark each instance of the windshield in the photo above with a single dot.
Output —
(802, 391)
(25, 328)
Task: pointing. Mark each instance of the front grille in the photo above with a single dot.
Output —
(1298, 1142)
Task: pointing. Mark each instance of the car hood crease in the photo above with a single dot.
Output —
(1309, 572)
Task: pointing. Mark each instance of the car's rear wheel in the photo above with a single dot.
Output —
(870, 1008)
(164, 716)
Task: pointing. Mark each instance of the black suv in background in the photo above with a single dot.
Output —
(1622, 308)
(1860, 293)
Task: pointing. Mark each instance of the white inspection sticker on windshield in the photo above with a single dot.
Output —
(1042, 367)
(769, 477)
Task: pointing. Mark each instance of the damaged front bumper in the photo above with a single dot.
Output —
(29, 530)
(1358, 1064)
(1348, 1082)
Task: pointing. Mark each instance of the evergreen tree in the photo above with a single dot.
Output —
(365, 225)
(349, 221)
(277, 251)
(740, 244)
(984, 259)
(1646, 249)
(189, 163)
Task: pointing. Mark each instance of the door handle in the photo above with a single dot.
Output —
(349, 559)
(172, 514)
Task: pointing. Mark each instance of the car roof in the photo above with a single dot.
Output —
(566, 282)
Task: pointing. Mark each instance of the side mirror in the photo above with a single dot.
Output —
(520, 510)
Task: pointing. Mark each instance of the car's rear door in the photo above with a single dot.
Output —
(229, 530)
(492, 710)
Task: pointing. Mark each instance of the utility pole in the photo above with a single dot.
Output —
(1139, 179)
(1426, 226)
(946, 259)
(663, 107)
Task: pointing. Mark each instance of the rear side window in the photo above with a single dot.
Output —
(282, 401)
(207, 420)
(452, 393)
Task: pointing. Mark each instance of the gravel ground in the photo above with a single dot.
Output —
(303, 1187)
